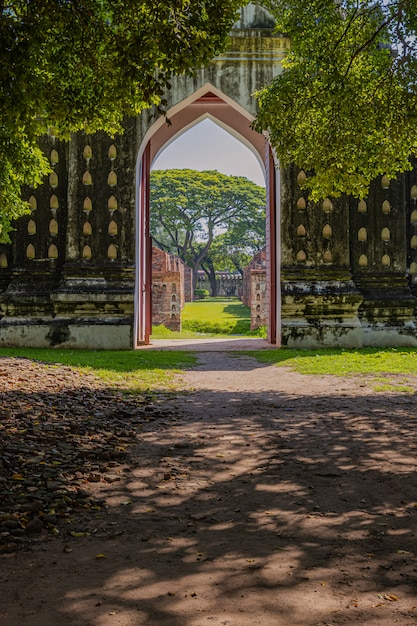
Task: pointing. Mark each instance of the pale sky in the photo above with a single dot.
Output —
(207, 146)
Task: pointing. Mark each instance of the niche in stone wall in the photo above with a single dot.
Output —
(385, 234)
(31, 227)
(386, 261)
(112, 204)
(3, 261)
(53, 202)
(301, 178)
(53, 228)
(363, 260)
(87, 153)
(52, 251)
(327, 205)
(362, 234)
(385, 182)
(113, 228)
(301, 204)
(327, 231)
(362, 206)
(328, 257)
(34, 205)
(112, 252)
(87, 179)
(386, 207)
(112, 179)
(30, 251)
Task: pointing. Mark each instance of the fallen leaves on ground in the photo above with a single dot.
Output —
(60, 431)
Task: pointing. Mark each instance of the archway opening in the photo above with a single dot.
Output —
(207, 107)
(203, 247)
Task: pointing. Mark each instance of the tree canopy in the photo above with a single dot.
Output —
(190, 210)
(85, 64)
(345, 106)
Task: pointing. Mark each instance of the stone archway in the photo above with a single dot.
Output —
(206, 102)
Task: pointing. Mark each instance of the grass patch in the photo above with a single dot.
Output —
(211, 317)
(225, 316)
(366, 361)
(133, 371)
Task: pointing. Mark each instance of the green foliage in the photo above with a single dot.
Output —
(86, 64)
(162, 332)
(201, 293)
(345, 107)
(189, 208)
(134, 371)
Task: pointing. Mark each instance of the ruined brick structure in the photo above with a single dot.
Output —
(78, 272)
(254, 290)
(170, 278)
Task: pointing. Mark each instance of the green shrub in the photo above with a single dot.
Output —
(201, 293)
(218, 327)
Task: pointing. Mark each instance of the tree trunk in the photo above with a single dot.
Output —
(211, 275)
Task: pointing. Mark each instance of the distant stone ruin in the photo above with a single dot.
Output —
(254, 290)
(171, 288)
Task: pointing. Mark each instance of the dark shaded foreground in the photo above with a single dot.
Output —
(236, 508)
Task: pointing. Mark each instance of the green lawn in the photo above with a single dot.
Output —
(134, 371)
(211, 316)
(377, 363)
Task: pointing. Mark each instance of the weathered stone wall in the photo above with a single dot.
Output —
(70, 275)
(344, 266)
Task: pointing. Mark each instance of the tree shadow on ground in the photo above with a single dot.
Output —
(268, 509)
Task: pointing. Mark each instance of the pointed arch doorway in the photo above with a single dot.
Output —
(207, 102)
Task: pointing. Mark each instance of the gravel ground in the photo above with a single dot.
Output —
(254, 496)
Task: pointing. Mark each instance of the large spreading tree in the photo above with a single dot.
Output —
(190, 210)
(84, 65)
(345, 106)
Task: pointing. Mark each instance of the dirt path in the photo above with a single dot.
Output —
(259, 496)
